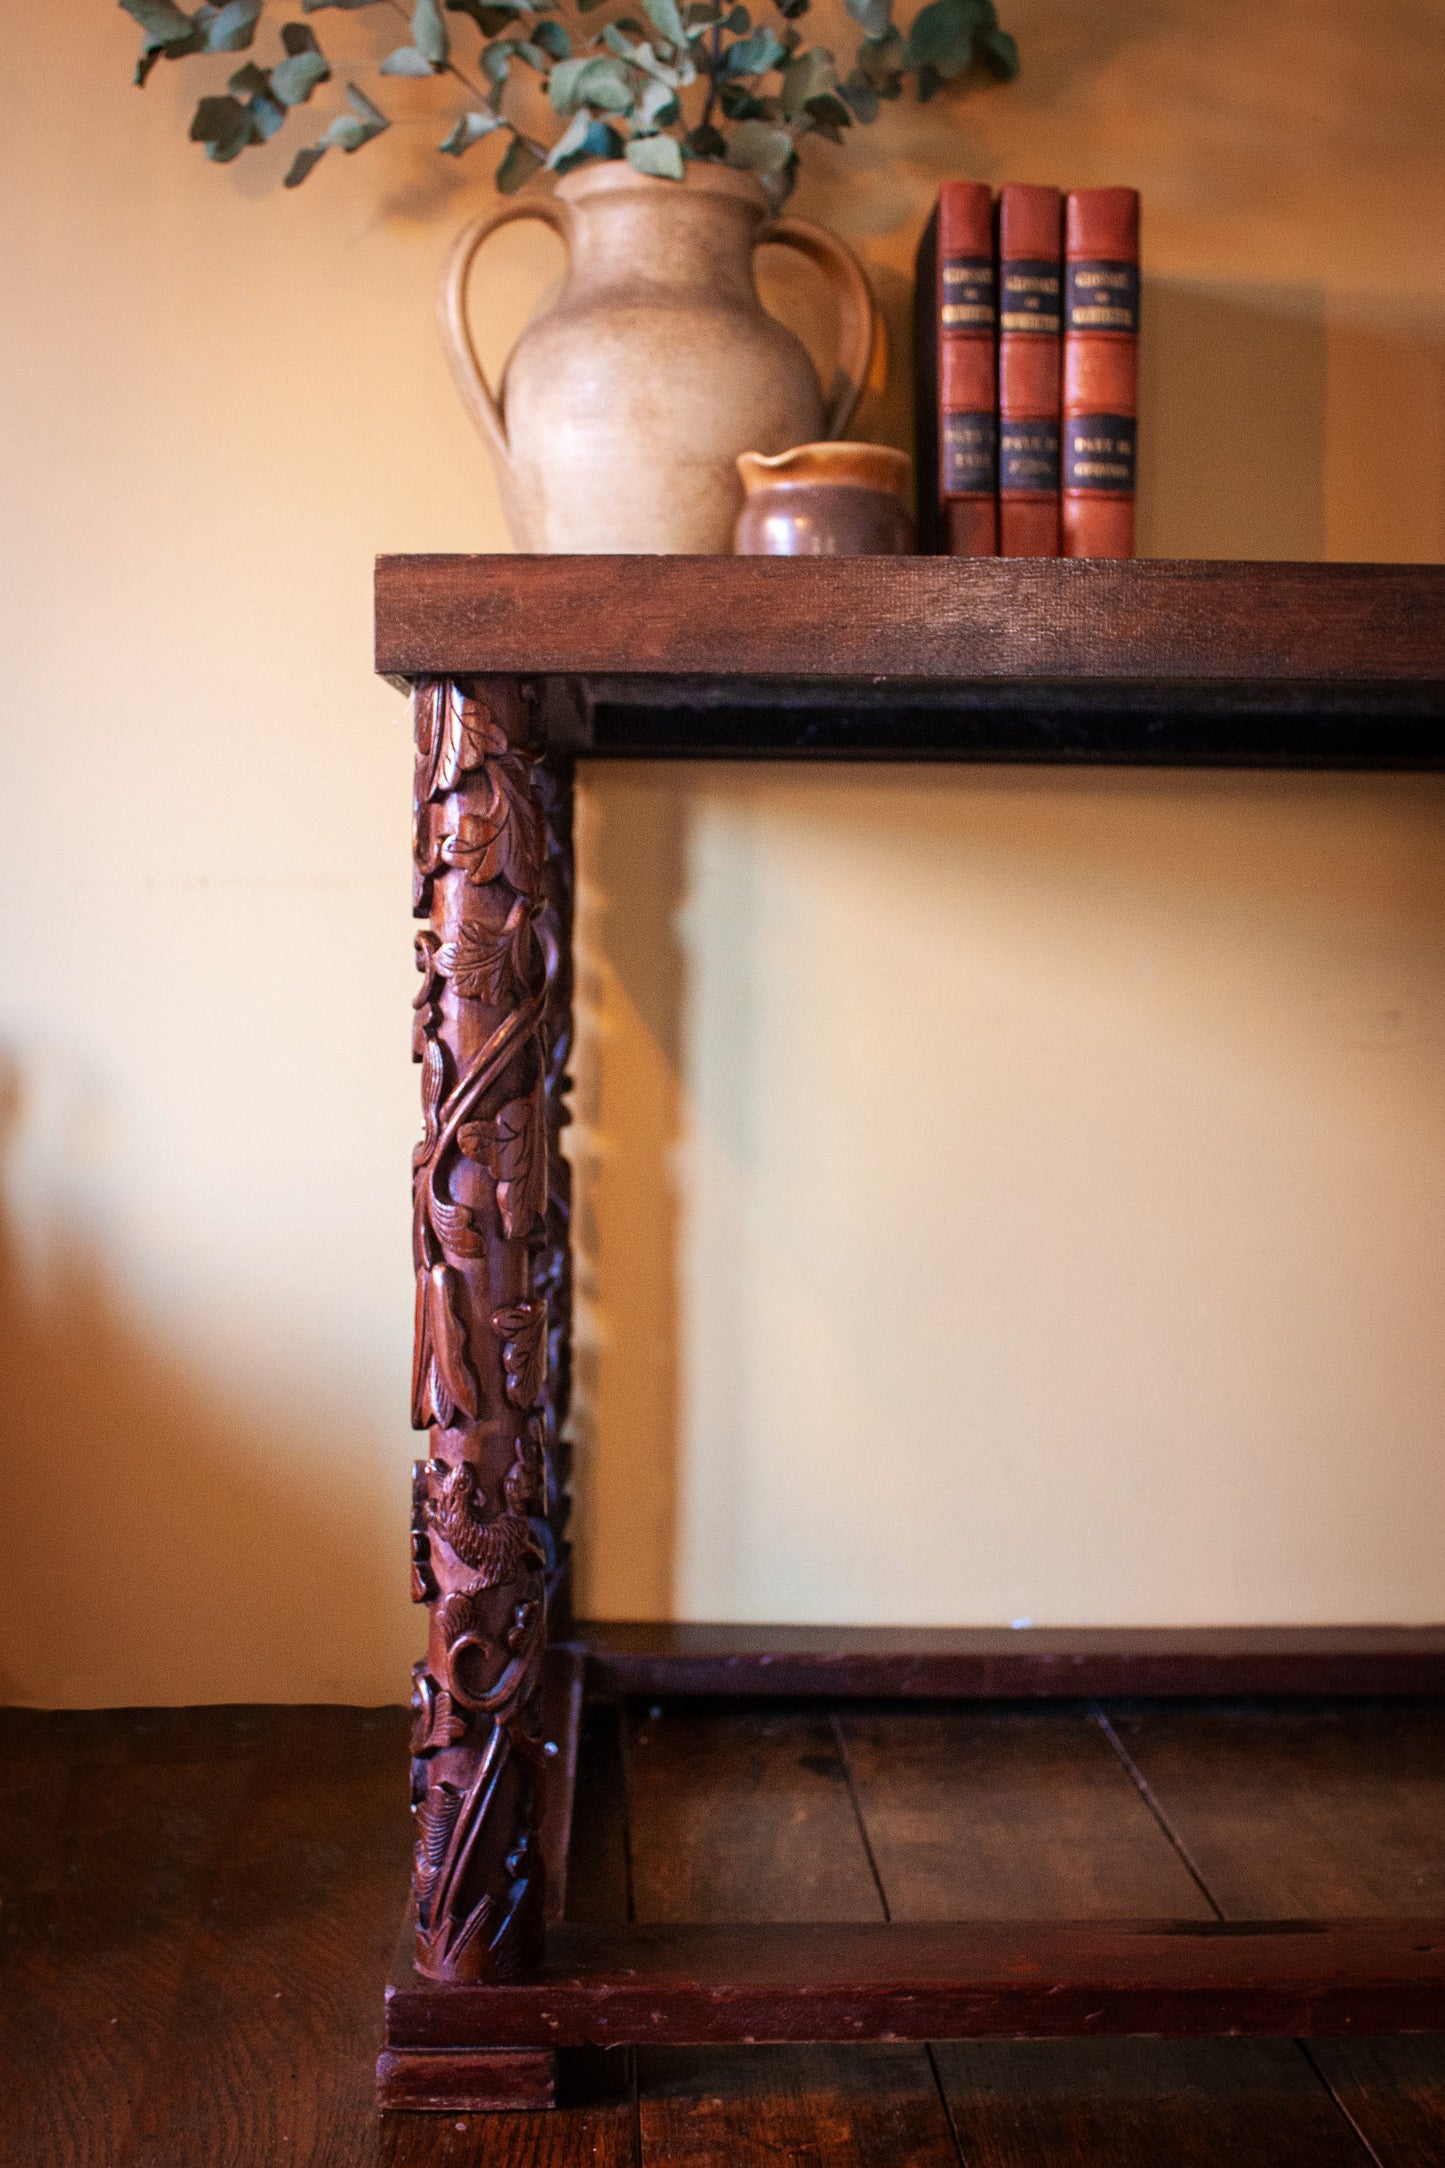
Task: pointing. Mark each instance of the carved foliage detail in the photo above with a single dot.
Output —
(522, 1329)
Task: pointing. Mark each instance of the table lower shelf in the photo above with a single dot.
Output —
(461, 2047)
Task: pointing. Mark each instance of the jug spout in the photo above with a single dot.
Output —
(864, 466)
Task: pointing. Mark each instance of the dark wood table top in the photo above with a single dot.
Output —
(1152, 661)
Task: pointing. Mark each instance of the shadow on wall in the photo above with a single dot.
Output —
(628, 1103)
(138, 1508)
(1232, 429)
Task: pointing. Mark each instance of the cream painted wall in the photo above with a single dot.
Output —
(1007, 1194)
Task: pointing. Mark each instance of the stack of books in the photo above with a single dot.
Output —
(1026, 354)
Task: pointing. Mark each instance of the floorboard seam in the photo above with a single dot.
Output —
(857, 1805)
(1308, 2054)
(1146, 1793)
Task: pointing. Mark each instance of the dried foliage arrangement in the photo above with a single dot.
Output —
(697, 79)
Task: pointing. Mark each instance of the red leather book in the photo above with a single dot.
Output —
(955, 345)
(1030, 302)
(1101, 370)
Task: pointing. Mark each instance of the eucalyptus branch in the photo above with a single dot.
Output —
(617, 88)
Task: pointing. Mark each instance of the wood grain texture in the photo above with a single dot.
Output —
(1393, 2091)
(817, 2107)
(1009, 1814)
(1143, 2104)
(738, 1813)
(1299, 1812)
(990, 1663)
(920, 618)
(1314, 1810)
(1041, 1802)
(1036, 1979)
(743, 1814)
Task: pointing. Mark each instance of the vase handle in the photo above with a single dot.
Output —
(475, 392)
(859, 323)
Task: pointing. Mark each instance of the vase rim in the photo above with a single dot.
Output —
(701, 177)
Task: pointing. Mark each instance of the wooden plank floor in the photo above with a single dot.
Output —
(197, 1909)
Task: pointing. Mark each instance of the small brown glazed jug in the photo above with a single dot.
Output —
(826, 500)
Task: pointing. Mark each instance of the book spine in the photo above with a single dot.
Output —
(1101, 371)
(1029, 348)
(929, 510)
(966, 336)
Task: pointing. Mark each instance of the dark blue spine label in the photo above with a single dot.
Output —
(1029, 300)
(967, 302)
(1028, 458)
(1102, 297)
(1099, 454)
(970, 455)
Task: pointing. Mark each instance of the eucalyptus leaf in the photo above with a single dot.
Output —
(496, 60)
(596, 80)
(266, 116)
(162, 21)
(249, 82)
(943, 34)
(533, 55)
(790, 10)
(224, 126)
(229, 29)
(999, 53)
(740, 103)
(874, 17)
(294, 79)
(809, 76)
(862, 99)
(754, 55)
(406, 60)
(314, 7)
(757, 147)
(553, 41)
(738, 21)
(517, 168)
(365, 111)
(299, 38)
(706, 141)
(880, 64)
(666, 19)
(571, 142)
(303, 163)
(468, 130)
(659, 155)
(429, 32)
(658, 107)
(601, 140)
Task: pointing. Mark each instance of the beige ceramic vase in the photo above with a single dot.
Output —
(624, 406)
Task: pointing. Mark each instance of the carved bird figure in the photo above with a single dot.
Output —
(497, 1550)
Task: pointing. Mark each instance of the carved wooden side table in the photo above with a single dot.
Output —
(519, 665)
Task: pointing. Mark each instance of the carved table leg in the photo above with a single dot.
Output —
(489, 1247)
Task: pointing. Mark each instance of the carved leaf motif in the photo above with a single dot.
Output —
(424, 1014)
(481, 961)
(518, 1162)
(456, 1229)
(436, 1818)
(466, 736)
(433, 1083)
(436, 1724)
(454, 734)
(508, 839)
(442, 1379)
(523, 1332)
